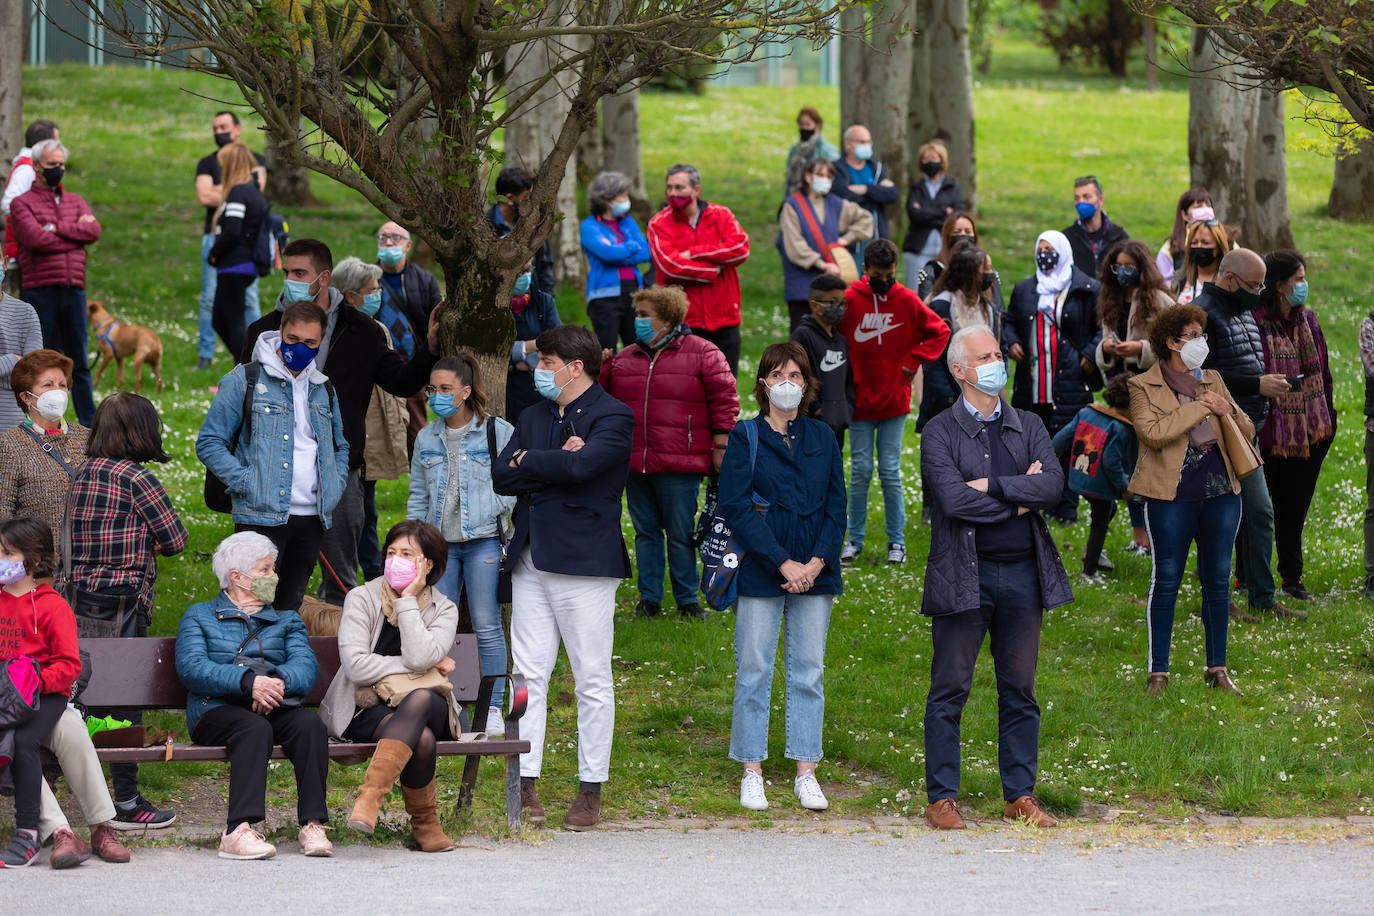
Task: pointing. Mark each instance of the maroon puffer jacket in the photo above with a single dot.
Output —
(681, 395)
(56, 258)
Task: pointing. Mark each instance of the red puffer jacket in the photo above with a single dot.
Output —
(708, 275)
(56, 258)
(681, 395)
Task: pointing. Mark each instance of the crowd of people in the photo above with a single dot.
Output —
(1216, 413)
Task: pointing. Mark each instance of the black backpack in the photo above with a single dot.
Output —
(273, 234)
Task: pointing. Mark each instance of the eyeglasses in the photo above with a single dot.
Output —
(429, 390)
(1246, 284)
(1199, 336)
(388, 237)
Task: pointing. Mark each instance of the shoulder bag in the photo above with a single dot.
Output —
(721, 552)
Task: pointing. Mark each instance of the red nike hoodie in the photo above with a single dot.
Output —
(41, 624)
(886, 335)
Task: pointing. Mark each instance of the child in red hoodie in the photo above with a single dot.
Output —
(891, 334)
(34, 621)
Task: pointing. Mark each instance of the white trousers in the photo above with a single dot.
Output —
(71, 744)
(579, 611)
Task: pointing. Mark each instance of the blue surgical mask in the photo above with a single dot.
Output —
(1085, 209)
(297, 291)
(11, 571)
(297, 355)
(545, 385)
(391, 255)
(863, 151)
(644, 330)
(992, 377)
(522, 284)
(620, 208)
(443, 405)
(1299, 294)
(372, 302)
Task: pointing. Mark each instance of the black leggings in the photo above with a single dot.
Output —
(418, 721)
(227, 318)
(1102, 512)
(26, 767)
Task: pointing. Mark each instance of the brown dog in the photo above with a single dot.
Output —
(118, 340)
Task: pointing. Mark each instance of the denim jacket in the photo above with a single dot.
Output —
(258, 477)
(479, 504)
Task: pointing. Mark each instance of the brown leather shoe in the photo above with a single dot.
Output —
(584, 813)
(1240, 616)
(68, 851)
(1156, 683)
(1027, 808)
(1219, 679)
(1279, 610)
(944, 815)
(105, 841)
(531, 812)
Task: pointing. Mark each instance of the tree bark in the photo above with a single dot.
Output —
(591, 154)
(888, 88)
(287, 184)
(621, 149)
(854, 54)
(1151, 55)
(941, 100)
(1352, 185)
(11, 80)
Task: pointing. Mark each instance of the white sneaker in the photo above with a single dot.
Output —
(850, 553)
(809, 792)
(896, 554)
(245, 843)
(751, 791)
(496, 724)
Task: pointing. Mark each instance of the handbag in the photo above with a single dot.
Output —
(112, 614)
(503, 583)
(1245, 458)
(394, 688)
(721, 552)
(259, 666)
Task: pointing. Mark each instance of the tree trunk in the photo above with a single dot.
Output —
(287, 185)
(854, 55)
(888, 83)
(591, 155)
(1236, 147)
(941, 102)
(1118, 45)
(1151, 55)
(1352, 186)
(11, 80)
(620, 147)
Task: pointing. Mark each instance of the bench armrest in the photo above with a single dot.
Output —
(519, 699)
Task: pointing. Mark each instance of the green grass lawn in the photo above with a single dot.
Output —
(1298, 742)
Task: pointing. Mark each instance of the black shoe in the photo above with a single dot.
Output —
(1369, 588)
(648, 608)
(141, 815)
(20, 853)
(1297, 590)
(693, 610)
(204, 363)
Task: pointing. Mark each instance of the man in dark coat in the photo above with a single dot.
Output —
(1093, 235)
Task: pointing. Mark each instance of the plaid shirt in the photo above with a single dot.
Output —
(121, 519)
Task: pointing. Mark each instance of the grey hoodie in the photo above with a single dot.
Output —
(331, 317)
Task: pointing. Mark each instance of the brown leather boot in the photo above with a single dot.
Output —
(530, 810)
(389, 759)
(424, 819)
(1028, 808)
(944, 815)
(1156, 683)
(1218, 678)
(584, 813)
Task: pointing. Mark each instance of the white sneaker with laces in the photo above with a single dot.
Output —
(850, 553)
(751, 791)
(809, 792)
(496, 724)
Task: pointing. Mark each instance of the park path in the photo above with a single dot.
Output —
(757, 870)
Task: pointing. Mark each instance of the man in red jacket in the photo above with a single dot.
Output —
(698, 246)
(891, 334)
(53, 227)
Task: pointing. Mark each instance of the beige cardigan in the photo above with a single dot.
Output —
(426, 636)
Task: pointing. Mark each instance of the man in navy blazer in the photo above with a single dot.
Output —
(567, 462)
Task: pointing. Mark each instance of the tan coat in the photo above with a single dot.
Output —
(1162, 423)
(385, 456)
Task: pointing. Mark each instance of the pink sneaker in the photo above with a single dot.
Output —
(313, 841)
(245, 843)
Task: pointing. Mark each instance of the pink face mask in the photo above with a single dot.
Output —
(399, 572)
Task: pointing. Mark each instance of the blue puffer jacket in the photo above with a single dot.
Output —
(478, 504)
(606, 254)
(209, 638)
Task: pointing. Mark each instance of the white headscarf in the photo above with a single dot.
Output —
(1050, 285)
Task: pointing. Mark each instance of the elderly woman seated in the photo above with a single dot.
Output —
(394, 639)
(247, 667)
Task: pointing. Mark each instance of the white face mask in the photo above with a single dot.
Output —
(786, 395)
(1194, 352)
(821, 185)
(52, 404)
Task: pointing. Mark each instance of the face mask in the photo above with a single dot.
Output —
(1202, 257)
(264, 588)
(1047, 261)
(372, 302)
(1193, 353)
(522, 284)
(1086, 211)
(399, 572)
(53, 175)
(1247, 300)
(821, 185)
(1202, 214)
(985, 282)
(11, 571)
(931, 169)
(391, 255)
(833, 312)
(52, 404)
(297, 291)
(223, 138)
(805, 133)
(620, 208)
(545, 385)
(863, 151)
(297, 355)
(1127, 276)
(644, 330)
(963, 235)
(1299, 294)
(990, 378)
(786, 395)
(443, 404)
(880, 287)
(679, 201)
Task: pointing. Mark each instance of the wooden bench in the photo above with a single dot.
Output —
(141, 674)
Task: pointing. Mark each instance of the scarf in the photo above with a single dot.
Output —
(1185, 386)
(389, 596)
(518, 303)
(1052, 288)
(1298, 419)
(1050, 285)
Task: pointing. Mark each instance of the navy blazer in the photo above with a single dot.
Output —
(568, 510)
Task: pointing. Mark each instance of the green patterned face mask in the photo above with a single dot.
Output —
(264, 588)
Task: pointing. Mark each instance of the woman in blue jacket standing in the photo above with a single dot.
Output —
(614, 247)
(535, 312)
(789, 573)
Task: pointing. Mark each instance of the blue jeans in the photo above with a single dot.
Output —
(665, 505)
(1255, 541)
(205, 330)
(477, 565)
(62, 317)
(757, 620)
(369, 547)
(888, 436)
(1173, 526)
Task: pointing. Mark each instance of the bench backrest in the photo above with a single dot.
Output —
(142, 673)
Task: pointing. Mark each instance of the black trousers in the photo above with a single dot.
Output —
(369, 546)
(298, 546)
(227, 316)
(249, 738)
(1009, 613)
(797, 309)
(613, 317)
(1103, 511)
(1291, 483)
(727, 339)
(26, 767)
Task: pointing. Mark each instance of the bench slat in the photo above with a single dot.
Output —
(494, 747)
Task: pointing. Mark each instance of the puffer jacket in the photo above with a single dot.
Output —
(208, 639)
(682, 394)
(56, 258)
(1079, 335)
(941, 390)
(1235, 350)
(479, 506)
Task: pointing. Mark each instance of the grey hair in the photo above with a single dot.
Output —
(956, 354)
(849, 131)
(40, 149)
(352, 274)
(689, 170)
(240, 553)
(605, 188)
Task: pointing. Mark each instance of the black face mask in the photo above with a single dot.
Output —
(832, 312)
(959, 235)
(986, 282)
(1202, 257)
(53, 175)
(806, 134)
(881, 287)
(1047, 261)
(931, 169)
(223, 139)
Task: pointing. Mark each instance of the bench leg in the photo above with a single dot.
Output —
(513, 792)
(470, 766)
